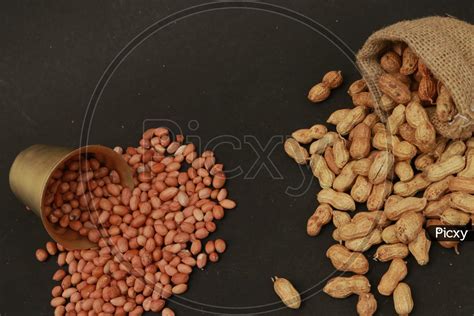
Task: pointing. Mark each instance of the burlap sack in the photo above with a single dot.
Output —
(446, 46)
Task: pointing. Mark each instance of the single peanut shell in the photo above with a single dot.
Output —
(321, 216)
(302, 136)
(402, 299)
(345, 179)
(287, 292)
(318, 131)
(427, 89)
(391, 62)
(452, 149)
(424, 160)
(408, 226)
(420, 248)
(437, 189)
(434, 209)
(363, 244)
(389, 235)
(417, 118)
(378, 195)
(338, 200)
(386, 253)
(465, 185)
(319, 93)
(468, 171)
(396, 119)
(357, 229)
(382, 140)
(404, 171)
(440, 170)
(329, 157)
(395, 210)
(411, 187)
(371, 119)
(361, 189)
(404, 150)
(340, 218)
(295, 151)
(360, 141)
(445, 108)
(381, 167)
(379, 218)
(394, 88)
(365, 99)
(409, 62)
(386, 103)
(396, 272)
(366, 305)
(319, 146)
(337, 116)
(321, 171)
(354, 117)
(341, 153)
(342, 287)
(345, 260)
(333, 79)
(362, 166)
(453, 216)
(357, 87)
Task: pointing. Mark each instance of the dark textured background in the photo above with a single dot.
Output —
(237, 72)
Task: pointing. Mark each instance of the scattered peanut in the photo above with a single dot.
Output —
(389, 235)
(357, 228)
(409, 62)
(395, 273)
(360, 141)
(333, 79)
(362, 244)
(440, 170)
(452, 216)
(319, 92)
(342, 287)
(395, 210)
(361, 189)
(462, 201)
(295, 151)
(320, 217)
(338, 200)
(411, 187)
(408, 226)
(386, 253)
(394, 88)
(41, 255)
(381, 167)
(388, 162)
(154, 231)
(354, 117)
(321, 171)
(287, 293)
(322, 90)
(445, 109)
(357, 87)
(345, 178)
(420, 248)
(402, 299)
(344, 260)
(366, 305)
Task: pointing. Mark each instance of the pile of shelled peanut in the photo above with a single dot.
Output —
(149, 238)
(408, 176)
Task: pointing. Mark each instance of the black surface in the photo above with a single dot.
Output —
(237, 72)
